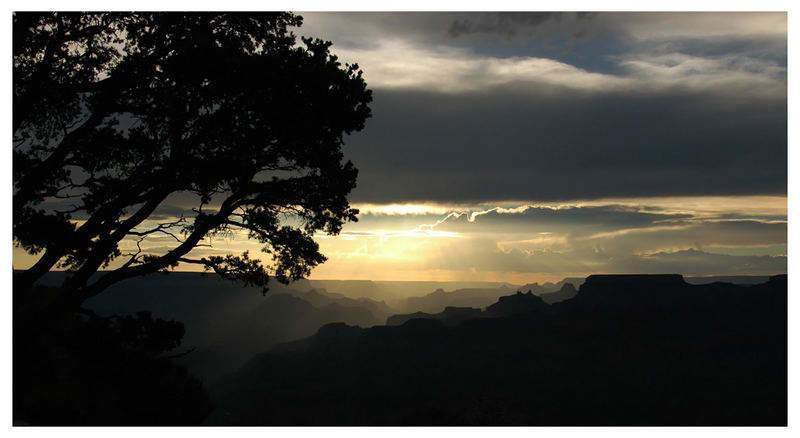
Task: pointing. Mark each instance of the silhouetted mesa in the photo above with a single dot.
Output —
(646, 350)
(735, 279)
(627, 281)
(566, 292)
(438, 300)
(518, 303)
(631, 290)
(451, 315)
(548, 288)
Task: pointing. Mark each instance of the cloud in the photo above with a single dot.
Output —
(732, 73)
(571, 219)
(614, 229)
(689, 235)
(554, 144)
(399, 64)
(484, 256)
(464, 28)
(579, 39)
(401, 209)
(673, 25)
(525, 243)
(503, 23)
(545, 107)
(670, 128)
(764, 46)
(693, 262)
(396, 64)
(555, 241)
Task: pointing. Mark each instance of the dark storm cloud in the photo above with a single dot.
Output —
(584, 39)
(552, 144)
(701, 110)
(502, 23)
(575, 37)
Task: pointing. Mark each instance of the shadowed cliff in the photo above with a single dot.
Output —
(627, 350)
(438, 300)
(450, 315)
(227, 324)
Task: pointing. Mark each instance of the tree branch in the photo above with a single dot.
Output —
(108, 244)
(203, 224)
(161, 228)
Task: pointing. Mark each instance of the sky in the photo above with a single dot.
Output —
(527, 147)
(532, 146)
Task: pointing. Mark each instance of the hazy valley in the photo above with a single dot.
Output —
(656, 347)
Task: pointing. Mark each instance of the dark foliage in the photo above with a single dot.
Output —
(115, 112)
(627, 350)
(81, 369)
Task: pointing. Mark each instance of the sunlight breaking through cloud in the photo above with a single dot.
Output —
(579, 238)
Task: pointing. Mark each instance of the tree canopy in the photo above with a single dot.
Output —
(116, 112)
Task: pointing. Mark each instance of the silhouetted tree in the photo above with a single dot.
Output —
(114, 113)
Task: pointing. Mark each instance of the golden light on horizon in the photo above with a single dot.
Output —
(394, 242)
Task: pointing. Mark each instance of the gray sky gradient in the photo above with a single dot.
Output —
(473, 107)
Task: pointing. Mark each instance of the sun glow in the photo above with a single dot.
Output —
(402, 209)
(425, 241)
